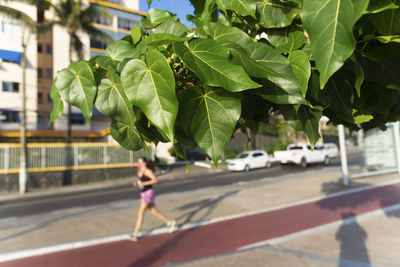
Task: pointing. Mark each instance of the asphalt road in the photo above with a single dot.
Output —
(45, 204)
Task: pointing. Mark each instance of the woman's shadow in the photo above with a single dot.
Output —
(351, 235)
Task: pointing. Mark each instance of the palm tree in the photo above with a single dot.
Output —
(76, 17)
(29, 28)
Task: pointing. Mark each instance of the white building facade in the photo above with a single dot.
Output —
(47, 55)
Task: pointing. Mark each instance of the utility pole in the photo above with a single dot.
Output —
(23, 161)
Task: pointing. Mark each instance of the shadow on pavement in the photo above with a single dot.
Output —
(205, 205)
(351, 235)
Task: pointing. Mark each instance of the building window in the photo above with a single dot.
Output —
(48, 49)
(49, 73)
(77, 119)
(48, 98)
(40, 98)
(11, 87)
(126, 24)
(97, 44)
(40, 73)
(11, 29)
(103, 19)
(39, 48)
(9, 116)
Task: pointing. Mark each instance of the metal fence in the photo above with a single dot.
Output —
(47, 157)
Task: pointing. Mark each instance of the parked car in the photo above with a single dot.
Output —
(302, 155)
(331, 149)
(248, 160)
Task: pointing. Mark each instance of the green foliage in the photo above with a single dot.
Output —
(244, 60)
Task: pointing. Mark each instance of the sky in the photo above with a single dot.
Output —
(179, 7)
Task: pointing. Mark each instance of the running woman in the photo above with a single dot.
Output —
(145, 181)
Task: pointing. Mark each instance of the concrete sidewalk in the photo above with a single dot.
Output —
(320, 248)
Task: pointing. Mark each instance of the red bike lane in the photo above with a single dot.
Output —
(220, 237)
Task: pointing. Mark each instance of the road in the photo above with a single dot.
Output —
(46, 204)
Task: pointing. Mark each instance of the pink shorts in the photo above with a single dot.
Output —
(148, 196)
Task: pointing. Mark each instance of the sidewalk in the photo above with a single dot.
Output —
(323, 247)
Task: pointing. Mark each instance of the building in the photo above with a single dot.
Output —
(46, 55)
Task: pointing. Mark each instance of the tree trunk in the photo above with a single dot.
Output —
(23, 173)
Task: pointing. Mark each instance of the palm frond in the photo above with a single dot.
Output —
(18, 15)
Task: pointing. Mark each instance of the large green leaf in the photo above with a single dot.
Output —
(210, 61)
(301, 69)
(242, 7)
(205, 10)
(224, 34)
(304, 119)
(126, 135)
(156, 16)
(376, 6)
(287, 39)
(58, 105)
(111, 99)
(277, 13)
(157, 39)
(77, 87)
(150, 85)
(276, 67)
(210, 116)
(120, 50)
(330, 27)
(172, 27)
(387, 22)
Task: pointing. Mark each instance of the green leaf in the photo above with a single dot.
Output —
(242, 7)
(155, 17)
(388, 39)
(136, 33)
(361, 118)
(126, 135)
(337, 95)
(150, 85)
(58, 105)
(305, 119)
(276, 67)
(286, 40)
(77, 87)
(330, 27)
(359, 74)
(172, 27)
(205, 10)
(210, 61)
(387, 22)
(210, 116)
(376, 6)
(158, 39)
(385, 72)
(224, 34)
(277, 13)
(111, 99)
(301, 69)
(104, 62)
(120, 50)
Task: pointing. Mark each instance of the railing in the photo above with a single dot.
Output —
(47, 157)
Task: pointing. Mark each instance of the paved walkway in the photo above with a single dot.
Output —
(227, 236)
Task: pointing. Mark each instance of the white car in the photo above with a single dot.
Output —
(248, 160)
(331, 149)
(302, 155)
